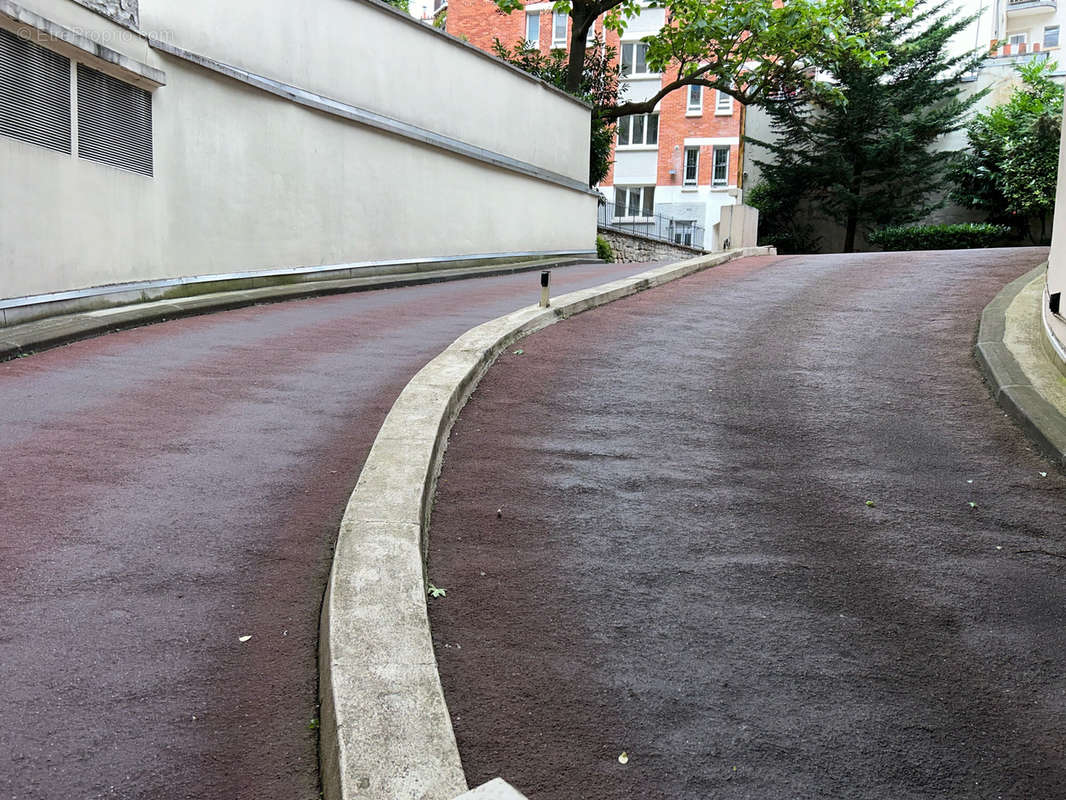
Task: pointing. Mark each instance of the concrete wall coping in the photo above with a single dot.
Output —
(386, 731)
(1012, 387)
(409, 20)
(372, 119)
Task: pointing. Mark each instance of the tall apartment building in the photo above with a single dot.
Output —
(1020, 27)
(684, 161)
(1009, 32)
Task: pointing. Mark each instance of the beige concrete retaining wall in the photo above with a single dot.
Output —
(292, 135)
(738, 226)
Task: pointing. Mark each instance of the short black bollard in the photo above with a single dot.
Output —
(545, 283)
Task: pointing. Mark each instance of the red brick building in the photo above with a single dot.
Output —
(685, 161)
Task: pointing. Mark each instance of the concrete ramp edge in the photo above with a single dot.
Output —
(385, 729)
(1011, 385)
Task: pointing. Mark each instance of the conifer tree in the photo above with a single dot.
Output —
(856, 145)
(744, 48)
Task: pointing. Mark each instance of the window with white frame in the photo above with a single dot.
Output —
(533, 29)
(1051, 36)
(634, 201)
(695, 100)
(591, 38)
(638, 129)
(720, 164)
(634, 58)
(723, 103)
(559, 19)
(1017, 38)
(692, 166)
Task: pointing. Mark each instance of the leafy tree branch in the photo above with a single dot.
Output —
(750, 49)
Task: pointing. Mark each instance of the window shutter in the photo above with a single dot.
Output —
(34, 93)
(114, 121)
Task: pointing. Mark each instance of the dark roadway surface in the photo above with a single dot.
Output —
(686, 568)
(169, 489)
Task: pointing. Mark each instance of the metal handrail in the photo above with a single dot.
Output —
(651, 226)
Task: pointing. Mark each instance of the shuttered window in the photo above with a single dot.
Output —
(34, 93)
(114, 121)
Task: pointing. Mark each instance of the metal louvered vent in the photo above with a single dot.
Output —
(114, 121)
(34, 93)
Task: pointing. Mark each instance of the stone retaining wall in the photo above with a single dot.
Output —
(629, 248)
(122, 11)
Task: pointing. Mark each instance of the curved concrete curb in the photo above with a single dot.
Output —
(1011, 385)
(385, 730)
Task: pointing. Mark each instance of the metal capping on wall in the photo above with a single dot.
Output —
(34, 93)
(114, 121)
(371, 119)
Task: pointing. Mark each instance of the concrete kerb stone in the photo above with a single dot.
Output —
(1011, 386)
(385, 728)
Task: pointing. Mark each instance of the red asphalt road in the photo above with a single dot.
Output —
(685, 567)
(169, 489)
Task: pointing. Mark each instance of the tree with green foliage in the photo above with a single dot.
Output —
(855, 145)
(599, 86)
(745, 48)
(403, 5)
(1011, 169)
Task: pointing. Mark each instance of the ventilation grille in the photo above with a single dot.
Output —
(34, 93)
(114, 121)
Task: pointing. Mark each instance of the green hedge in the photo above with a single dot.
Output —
(603, 250)
(940, 237)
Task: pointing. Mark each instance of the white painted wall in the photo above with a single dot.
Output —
(245, 180)
(1056, 275)
(649, 21)
(636, 166)
(359, 53)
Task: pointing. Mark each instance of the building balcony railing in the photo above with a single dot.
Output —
(1023, 7)
(651, 226)
(1004, 50)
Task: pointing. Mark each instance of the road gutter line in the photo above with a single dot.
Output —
(385, 728)
(66, 327)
